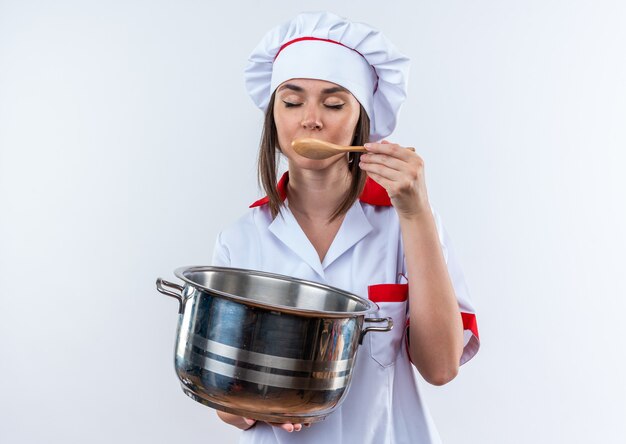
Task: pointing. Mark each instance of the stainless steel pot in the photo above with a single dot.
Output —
(266, 346)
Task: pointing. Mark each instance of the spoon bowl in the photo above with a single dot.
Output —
(319, 149)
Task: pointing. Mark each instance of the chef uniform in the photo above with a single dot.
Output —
(366, 257)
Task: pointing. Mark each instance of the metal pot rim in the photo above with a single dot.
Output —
(371, 306)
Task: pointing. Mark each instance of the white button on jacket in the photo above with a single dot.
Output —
(383, 404)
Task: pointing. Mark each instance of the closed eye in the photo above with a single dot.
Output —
(339, 106)
(291, 105)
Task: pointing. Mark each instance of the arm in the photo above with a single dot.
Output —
(221, 257)
(436, 333)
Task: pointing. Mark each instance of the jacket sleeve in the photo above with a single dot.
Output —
(221, 255)
(466, 308)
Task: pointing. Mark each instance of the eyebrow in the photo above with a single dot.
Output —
(297, 88)
(334, 89)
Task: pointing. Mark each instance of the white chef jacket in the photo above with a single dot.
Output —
(383, 404)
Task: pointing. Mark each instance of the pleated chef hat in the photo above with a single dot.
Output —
(324, 46)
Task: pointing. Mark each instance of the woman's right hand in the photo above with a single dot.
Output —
(235, 420)
(245, 423)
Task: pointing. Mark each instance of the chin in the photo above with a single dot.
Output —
(316, 165)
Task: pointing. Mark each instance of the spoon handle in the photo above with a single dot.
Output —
(361, 149)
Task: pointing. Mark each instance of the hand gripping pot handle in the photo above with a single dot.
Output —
(387, 327)
(163, 285)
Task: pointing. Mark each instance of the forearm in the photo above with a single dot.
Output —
(436, 341)
(436, 331)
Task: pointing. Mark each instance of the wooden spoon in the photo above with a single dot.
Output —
(318, 149)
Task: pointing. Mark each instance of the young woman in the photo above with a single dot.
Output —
(362, 223)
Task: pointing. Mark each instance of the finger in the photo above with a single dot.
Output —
(391, 149)
(287, 427)
(249, 421)
(386, 142)
(297, 427)
(380, 181)
(381, 170)
(383, 159)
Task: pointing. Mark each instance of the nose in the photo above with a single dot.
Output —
(311, 119)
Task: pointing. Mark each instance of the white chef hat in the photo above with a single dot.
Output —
(324, 46)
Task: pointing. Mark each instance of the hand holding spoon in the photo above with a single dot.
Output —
(319, 149)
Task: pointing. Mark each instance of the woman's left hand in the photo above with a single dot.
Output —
(399, 171)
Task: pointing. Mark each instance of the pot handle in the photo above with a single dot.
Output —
(163, 285)
(387, 327)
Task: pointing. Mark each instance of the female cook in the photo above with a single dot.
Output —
(362, 223)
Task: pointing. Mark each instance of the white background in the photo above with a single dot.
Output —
(127, 141)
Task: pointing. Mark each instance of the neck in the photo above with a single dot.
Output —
(316, 194)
